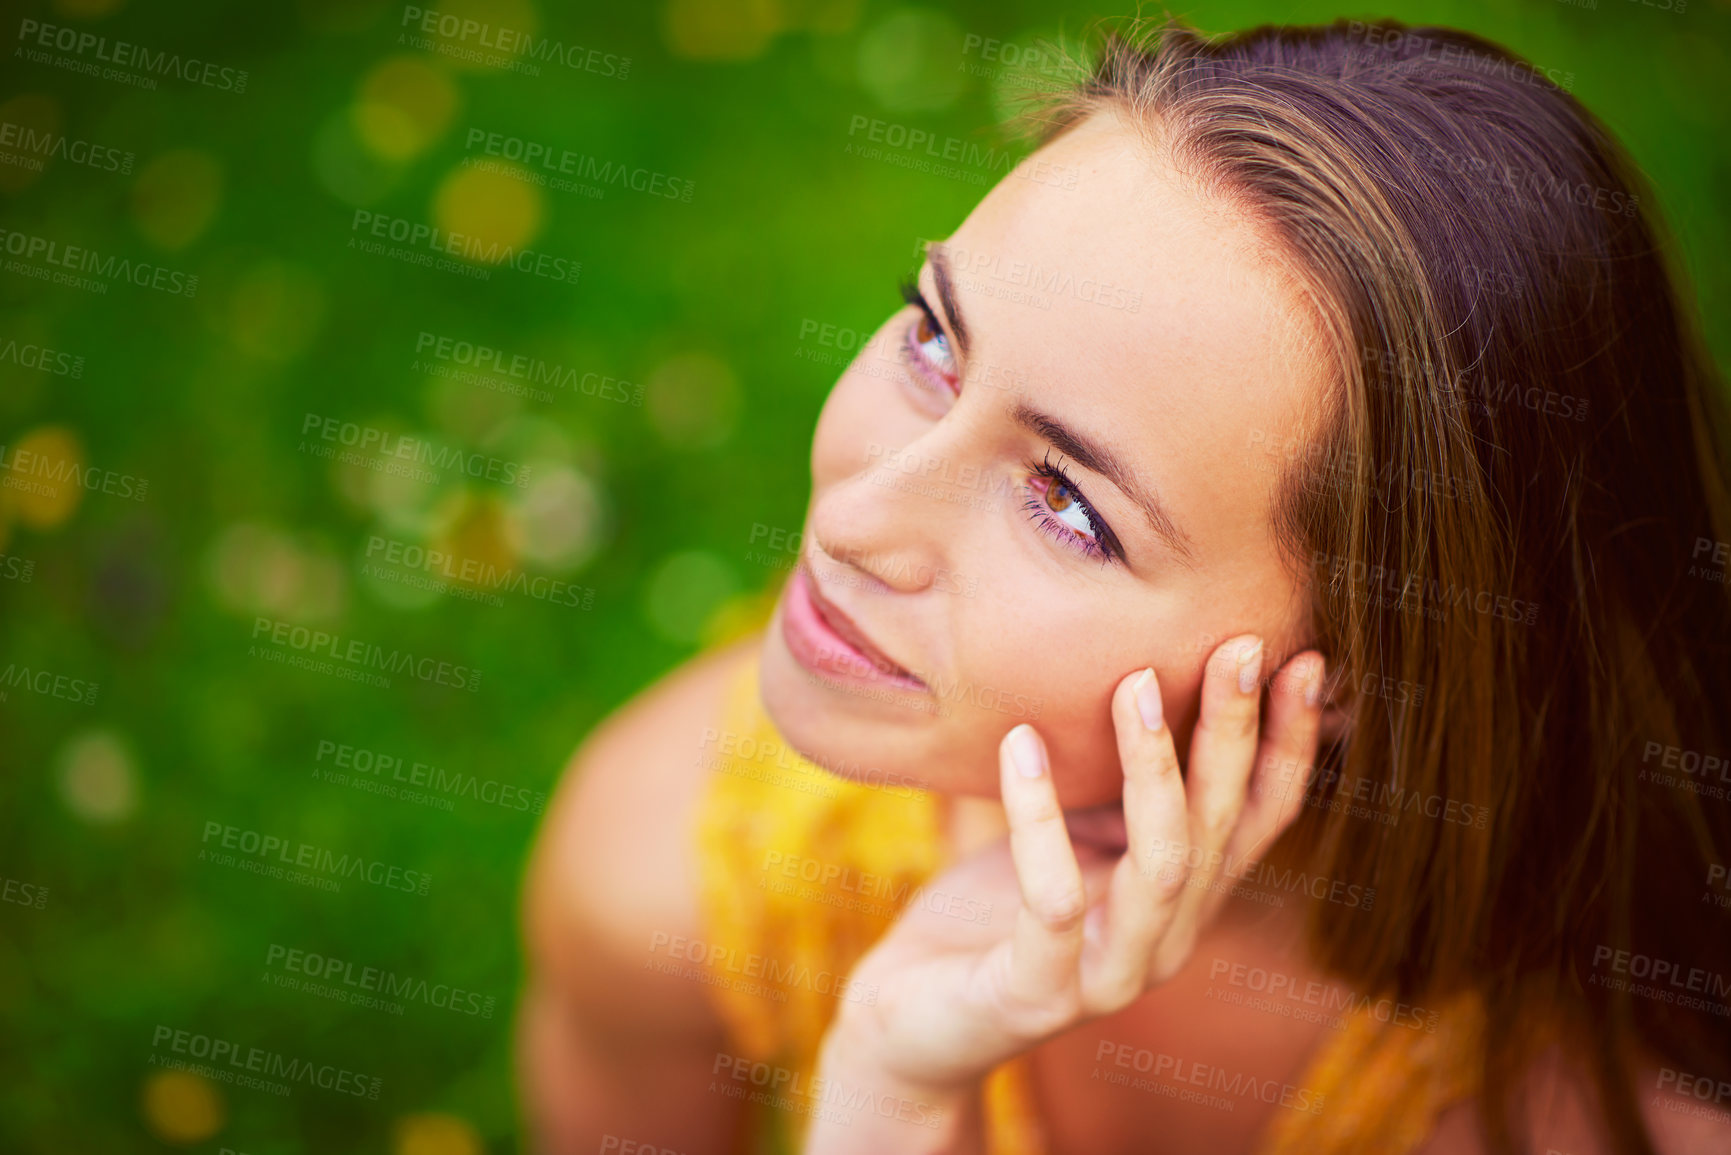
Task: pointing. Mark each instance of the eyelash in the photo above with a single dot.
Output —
(910, 291)
(912, 359)
(1105, 544)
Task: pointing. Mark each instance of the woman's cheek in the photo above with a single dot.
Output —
(855, 431)
(1071, 708)
(1085, 752)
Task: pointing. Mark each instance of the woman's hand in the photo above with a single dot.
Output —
(1088, 934)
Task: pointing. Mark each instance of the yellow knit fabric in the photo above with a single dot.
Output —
(802, 871)
(1384, 1086)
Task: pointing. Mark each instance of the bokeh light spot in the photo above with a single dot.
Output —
(405, 104)
(182, 1108)
(176, 196)
(911, 61)
(692, 400)
(477, 539)
(720, 29)
(98, 780)
(496, 210)
(685, 591)
(406, 504)
(556, 520)
(825, 17)
(435, 1133)
(256, 569)
(43, 482)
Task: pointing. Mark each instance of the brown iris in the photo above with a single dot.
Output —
(1058, 497)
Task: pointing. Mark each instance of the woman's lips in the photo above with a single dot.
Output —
(824, 640)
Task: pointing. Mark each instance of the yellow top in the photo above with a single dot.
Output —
(802, 871)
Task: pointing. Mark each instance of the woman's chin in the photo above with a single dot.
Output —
(871, 738)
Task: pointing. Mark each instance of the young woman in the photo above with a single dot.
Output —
(1256, 665)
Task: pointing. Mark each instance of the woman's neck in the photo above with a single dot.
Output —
(971, 823)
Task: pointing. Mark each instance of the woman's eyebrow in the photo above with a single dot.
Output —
(940, 262)
(1099, 459)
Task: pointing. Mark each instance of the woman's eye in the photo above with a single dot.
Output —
(1063, 503)
(928, 350)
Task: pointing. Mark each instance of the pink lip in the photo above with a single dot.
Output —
(825, 641)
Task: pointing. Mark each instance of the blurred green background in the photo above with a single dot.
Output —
(679, 377)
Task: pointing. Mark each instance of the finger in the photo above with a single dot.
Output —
(1047, 942)
(1285, 760)
(1148, 882)
(1222, 753)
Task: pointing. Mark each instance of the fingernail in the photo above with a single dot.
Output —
(1025, 752)
(1249, 666)
(1148, 699)
(1313, 687)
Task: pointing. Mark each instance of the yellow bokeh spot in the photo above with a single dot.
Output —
(721, 29)
(496, 211)
(176, 197)
(405, 104)
(436, 1133)
(474, 34)
(37, 117)
(825, 17)
(477, 540)
(98, 780)
(180, 1107)
(43, 471)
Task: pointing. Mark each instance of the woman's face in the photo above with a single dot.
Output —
(1047, 475)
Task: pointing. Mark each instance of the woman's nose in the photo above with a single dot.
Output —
(900, 520)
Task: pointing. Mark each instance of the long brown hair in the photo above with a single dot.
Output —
(1501, 507)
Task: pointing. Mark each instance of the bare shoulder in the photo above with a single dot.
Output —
(1682, 1114)
(613, 864)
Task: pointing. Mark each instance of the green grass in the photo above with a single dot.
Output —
(206, 398)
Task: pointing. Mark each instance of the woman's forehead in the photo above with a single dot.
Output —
(1128, 296)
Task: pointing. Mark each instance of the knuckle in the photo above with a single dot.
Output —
(1159, 763)
(1218, 825)
(1168, 881)
(1061, 910)
(1231, 721)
